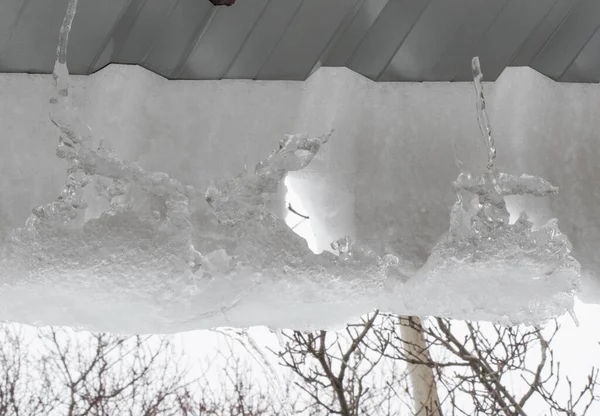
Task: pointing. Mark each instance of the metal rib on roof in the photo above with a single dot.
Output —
(385, 40)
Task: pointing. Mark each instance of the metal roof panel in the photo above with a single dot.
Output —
(221, 40)
(543, 32)
(386, 36)
(392, 40)
(263, 38)
(509, 31)
(431, 36)
(569, 39)
(305, 38)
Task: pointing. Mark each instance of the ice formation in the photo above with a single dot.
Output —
(162, 256)
(492, 258)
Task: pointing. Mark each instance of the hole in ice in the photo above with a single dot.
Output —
(537, 210)
(295, 218)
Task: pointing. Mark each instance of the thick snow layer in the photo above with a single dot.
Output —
(162, 261)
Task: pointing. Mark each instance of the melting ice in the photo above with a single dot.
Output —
(488, 266)
(165, 257)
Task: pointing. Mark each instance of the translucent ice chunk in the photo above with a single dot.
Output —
(498, 268)
(61, 73)
(493, 266)
(482, 117)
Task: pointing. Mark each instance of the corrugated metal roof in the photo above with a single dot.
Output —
(385, 40)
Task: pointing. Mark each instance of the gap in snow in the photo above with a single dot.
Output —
(298, 224)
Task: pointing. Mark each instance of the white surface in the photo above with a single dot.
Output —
(384, 179)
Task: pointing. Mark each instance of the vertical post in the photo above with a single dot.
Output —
(425, 396)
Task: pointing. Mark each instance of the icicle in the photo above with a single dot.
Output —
(87, 162)
(66, 206)
(574, 317)
(247, 342)
(278, 332)
(482, 117)
(61, 72)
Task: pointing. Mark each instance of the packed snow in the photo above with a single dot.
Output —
(163, 225)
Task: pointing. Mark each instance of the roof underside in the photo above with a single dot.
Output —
(385, 40)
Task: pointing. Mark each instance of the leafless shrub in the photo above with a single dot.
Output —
(335, 370)
(380, 366)
(488, 369)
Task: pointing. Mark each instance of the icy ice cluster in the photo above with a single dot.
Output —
(492, 258)
(163, 256)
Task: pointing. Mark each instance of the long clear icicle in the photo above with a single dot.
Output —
(61, 72)
(484, 247)
(70, 200)
(482, 117)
